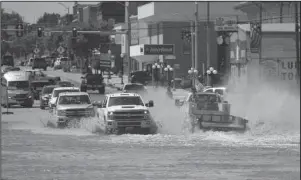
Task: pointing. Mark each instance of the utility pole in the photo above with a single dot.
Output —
(196, 23)
(192, 47)
(297, 41)
(208, 41)
(192, 43)
(260, 40)
(128, 38)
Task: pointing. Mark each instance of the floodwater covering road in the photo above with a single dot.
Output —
(269, 151)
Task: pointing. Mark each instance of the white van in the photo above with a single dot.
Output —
(16, 89)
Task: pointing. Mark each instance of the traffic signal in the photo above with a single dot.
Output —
(74, 32)
(19, 30)
(40, 32)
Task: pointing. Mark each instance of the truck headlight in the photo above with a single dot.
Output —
(110, 115)
(146, 114)
(61, 113)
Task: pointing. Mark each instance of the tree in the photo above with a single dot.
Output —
(8, 19)
(49, 20)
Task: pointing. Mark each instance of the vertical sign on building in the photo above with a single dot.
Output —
(186, 37)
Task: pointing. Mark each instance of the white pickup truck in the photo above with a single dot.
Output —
(120, 112)
(71, 107)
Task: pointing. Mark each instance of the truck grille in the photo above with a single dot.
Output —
(129, 118)
(76, 112)
(21, 96)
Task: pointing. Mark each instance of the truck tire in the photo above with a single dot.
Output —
(120, 131)
(61, 125)
(145, 131)
(101, 90)
(42, 107)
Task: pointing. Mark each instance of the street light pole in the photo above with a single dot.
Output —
(208, 40)
(128, 38)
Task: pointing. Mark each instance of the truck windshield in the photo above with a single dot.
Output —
(18, 85)
(57, 92)
(207, 98)
(7, 60)
(131, 100)
(81, 99)
(47, 90)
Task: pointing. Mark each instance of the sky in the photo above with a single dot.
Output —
(31, 11)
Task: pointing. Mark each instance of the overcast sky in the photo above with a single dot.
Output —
(31, 11)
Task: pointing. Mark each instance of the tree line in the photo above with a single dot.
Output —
(80, 46)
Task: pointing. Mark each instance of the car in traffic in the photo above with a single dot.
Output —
(39, 63)
(92, 82)
(38, 74)
(64, 84)
(57, 64)
(16, 89)
(121, 112)
(72, 107)
(10, 68)
(45, 95)
(220, 90)
(37, 86)
(56, 91)
(134, 88)
(7, 60)
(141, 77)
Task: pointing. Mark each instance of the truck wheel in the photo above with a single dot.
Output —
(108, 131)
(61, 125)
(33, 68)
(145, 131)
(120, 131)
(101, 90)
(42, 107)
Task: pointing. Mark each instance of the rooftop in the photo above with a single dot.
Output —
(66, 88)
(123, 94)
(73, 94)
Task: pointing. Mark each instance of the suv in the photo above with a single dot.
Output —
(57, 91)
(39, 63)
(92, 82)
(121, 111)
(45, 95)
(72, 106)
(134, 88)
(140, 77)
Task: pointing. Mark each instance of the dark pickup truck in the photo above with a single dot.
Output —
(92, 82)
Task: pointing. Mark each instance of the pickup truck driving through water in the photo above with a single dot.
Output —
(209, 112)
(120, 112)
(71, 107)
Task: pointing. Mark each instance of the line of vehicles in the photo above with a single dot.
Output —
(118, 112)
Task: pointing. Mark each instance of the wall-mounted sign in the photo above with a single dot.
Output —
(159, 49)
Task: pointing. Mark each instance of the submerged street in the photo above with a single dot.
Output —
(32, 151)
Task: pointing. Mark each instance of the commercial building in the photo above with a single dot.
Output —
(159, 25)
(278, 45)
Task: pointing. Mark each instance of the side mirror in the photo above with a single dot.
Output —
(119, 89)
(150, 104)
(82, 77)
(179, 102)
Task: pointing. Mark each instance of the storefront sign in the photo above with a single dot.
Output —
(228, 24)
(159, 49)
